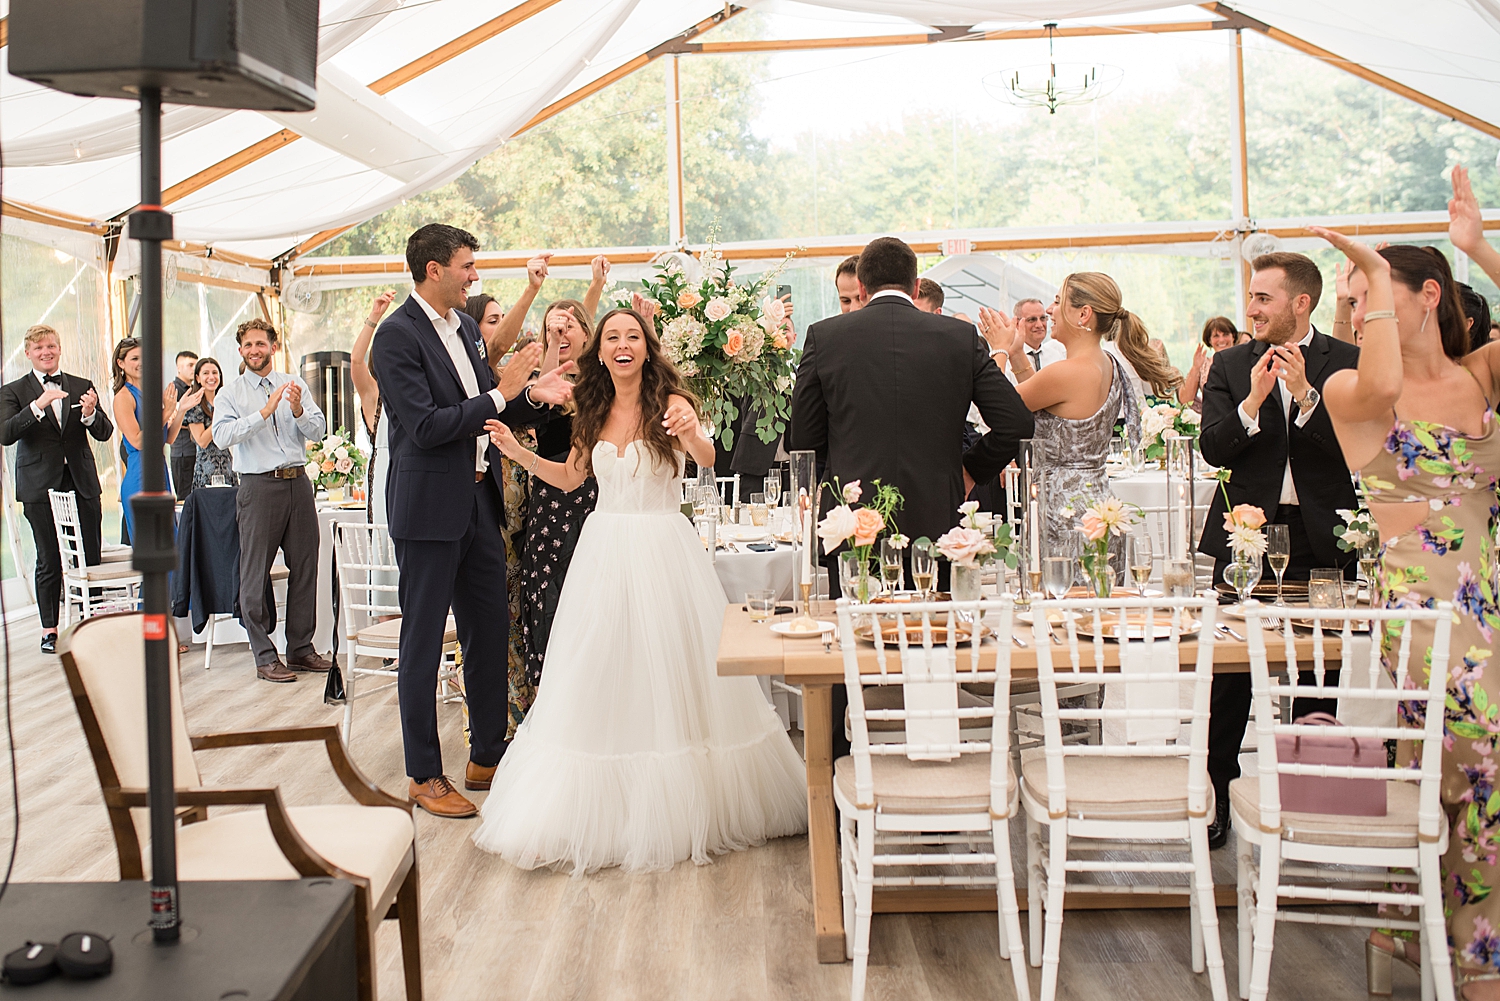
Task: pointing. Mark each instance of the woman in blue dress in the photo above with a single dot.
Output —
(125, 367)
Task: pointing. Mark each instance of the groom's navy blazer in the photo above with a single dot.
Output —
(430, 487)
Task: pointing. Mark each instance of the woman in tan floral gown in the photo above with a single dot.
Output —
(1416, 419)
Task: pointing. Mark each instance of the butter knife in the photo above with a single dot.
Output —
(1225, 629)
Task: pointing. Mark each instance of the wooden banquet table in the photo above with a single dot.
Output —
(750, 648)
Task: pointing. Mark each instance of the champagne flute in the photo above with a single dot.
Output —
(923, 568)
(1278, 554)
(890, 565)
(1140, 557)
(773, 489)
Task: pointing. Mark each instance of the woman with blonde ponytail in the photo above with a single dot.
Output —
(1076, 400)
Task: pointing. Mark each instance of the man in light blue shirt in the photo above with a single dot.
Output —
(266, 419)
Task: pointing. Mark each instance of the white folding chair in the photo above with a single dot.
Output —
(370, 609)
(1303, 855)
(938, 797)
(111, 587)
(1135, 796)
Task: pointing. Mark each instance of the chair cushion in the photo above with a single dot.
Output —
(1397, 829)
(387, 634)
(279, 572)
(108, 571)
(903, 786)
(890, 697)
(112, 553)
(1142, 789)
(369, 841)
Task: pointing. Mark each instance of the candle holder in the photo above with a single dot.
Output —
(1182, 510)
(1032, 462)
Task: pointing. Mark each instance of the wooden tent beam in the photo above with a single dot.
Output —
(1349, 66)
(384, 85)
(52, 217)
(962, 34)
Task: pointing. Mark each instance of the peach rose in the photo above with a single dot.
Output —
(779, 341)
(1094, 527)
(867, 525)
(1248, 515)
(961, 545)
(327, 465)
(687, 299)
(735, 344)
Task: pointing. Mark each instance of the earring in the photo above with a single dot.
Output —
(601, 362)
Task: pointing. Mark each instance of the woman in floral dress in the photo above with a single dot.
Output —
(1416, 419)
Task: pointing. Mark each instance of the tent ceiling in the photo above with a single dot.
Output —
(412, 94)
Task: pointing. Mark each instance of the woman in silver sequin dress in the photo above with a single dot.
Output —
(1077, 400)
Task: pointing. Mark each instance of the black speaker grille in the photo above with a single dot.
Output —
(279, 33)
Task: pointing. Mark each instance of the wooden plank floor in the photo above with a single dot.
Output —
(738, 929)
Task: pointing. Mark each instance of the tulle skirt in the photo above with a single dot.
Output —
(636, 753)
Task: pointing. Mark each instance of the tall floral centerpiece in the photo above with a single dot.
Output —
(731, 340)
(860, 527)
(1105, 517)
(976, 540)
(334, 463)
(1247, 541)
(1163, 419)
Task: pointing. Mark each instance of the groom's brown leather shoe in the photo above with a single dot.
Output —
(477, 778)
(438, 797)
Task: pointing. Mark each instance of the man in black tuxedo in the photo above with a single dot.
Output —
(443, 500)
(883, 393)
(1263, 420)
(48, 415)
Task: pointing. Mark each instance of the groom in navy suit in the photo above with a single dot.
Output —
(443, 498)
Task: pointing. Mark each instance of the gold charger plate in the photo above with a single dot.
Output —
(1135, 628)
(964, 630)
(1292, 590)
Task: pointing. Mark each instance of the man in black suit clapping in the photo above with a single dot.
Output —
(48, 415)
(1264, 421)
(883, 394)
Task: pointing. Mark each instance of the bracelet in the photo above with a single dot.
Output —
(1000, 351)
(370, 323)
(535, 458)
(1380, 314)
(1344, 322)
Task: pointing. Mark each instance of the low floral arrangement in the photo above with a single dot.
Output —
(977, 539)
(1243, 523)
(861, 527)
(1101, 519)
(731, 341)
(1163, 419)
(335, 462)
(1357, 531)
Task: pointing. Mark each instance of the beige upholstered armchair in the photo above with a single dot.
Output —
(371, 843)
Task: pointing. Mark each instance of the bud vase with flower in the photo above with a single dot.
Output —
(1243, 523)
(973, 543)
(1105, 517)
(860, 527)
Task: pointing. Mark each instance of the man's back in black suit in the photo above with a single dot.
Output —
(884, 393)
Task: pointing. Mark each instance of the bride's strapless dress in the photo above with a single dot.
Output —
(636, 753)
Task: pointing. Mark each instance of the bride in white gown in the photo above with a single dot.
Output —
(636, 753)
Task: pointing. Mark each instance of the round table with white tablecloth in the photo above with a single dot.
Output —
(1148, 489)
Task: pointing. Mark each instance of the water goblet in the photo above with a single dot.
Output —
(1278, 554)
(1057, 575)
(761, 605)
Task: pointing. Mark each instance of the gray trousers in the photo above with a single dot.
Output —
(277, 514)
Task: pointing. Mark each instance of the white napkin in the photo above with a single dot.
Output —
(1134, 659)
(919, 666)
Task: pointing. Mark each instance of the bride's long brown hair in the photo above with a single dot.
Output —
(594, 393)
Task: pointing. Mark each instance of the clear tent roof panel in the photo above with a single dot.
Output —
(363, 152)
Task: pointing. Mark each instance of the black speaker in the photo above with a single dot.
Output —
(256, 54)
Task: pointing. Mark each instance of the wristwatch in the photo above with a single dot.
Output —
(526, 394)
(1308, 401)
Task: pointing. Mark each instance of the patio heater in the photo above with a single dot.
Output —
(214, 53)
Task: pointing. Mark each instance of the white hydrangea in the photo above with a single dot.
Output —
(683, 337)
(755, 339)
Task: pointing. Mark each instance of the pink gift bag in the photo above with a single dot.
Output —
(1315, 794)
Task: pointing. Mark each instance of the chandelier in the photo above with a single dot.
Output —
(1053, 84)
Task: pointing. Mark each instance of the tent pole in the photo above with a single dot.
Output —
(1240, 184)
(676, 232)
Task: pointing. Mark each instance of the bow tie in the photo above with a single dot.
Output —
(55, 380)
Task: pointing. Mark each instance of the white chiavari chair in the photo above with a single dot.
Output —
(90, 590)
(1305, 856)
(729, 489)
(370, 610)
(1139, 795)
(939, 797)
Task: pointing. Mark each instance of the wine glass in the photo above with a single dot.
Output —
(1278, 554)
(1139, 557)
(773, 488)
(890, 565)
(923, 568)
